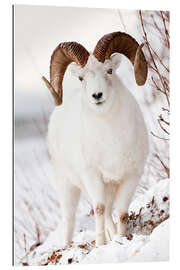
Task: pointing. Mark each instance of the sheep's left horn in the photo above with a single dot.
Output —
(62, 56)
(124, 44)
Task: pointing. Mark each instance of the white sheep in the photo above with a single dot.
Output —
(97, 138)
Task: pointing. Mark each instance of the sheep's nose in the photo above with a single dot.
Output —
(97, 96)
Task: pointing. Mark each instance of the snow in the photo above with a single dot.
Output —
(37, 211)
(157, 248)
(159, 190)
(147, 247)
(149, 209)
(140, 249)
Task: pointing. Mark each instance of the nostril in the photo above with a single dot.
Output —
(97, 96)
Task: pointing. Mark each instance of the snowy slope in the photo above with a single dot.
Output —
(139, 247)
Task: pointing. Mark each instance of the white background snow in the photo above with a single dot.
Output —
(38, 30)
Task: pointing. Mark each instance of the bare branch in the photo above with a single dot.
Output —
(165, 109)
(157, 87)
(167, 170)
(165, 139)
(160, 60)
(159, 121)
(162, 119)
(165, 30)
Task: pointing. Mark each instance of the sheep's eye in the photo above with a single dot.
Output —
(109, 71)
(80, 78)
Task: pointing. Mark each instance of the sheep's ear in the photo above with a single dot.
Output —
(116, 60)
(75, 69)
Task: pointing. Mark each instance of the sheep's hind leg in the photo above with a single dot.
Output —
(69, 198)
(123, 199)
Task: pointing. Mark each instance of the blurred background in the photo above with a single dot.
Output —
(38, 30)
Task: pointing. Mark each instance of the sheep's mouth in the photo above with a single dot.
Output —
(99, 103)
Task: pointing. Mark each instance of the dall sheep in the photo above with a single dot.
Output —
(97, 139)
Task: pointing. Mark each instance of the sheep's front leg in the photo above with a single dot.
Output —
(110, 228)
(95, 188)
(123, 199)
(68, 198)
(69, 203)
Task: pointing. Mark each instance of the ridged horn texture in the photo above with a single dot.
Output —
(62, 56)
(123, 43)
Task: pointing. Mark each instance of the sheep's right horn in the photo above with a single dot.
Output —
(62, 56)
(123, 43)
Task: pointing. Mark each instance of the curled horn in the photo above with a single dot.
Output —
(62, 56)
(124, 44)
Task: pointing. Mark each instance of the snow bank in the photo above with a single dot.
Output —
(150, 209)
(157, 249)
(141, 246)
(140, 249)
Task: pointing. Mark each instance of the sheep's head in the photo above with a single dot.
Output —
(97, 79)
(95, 71)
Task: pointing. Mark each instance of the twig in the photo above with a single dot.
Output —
(25, 249)
(165, 30)
(156, 26)
(37, 243)
(159, 121)
(165, 109)
(165, 139)
(167, 69)
(157, 87)
(162, 119)
(164, 166)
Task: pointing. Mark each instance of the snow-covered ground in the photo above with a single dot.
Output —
(37, 211)
(136, 247)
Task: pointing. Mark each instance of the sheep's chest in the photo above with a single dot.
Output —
(110, 149)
